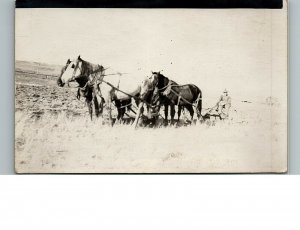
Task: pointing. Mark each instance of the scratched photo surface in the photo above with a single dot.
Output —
(151, 90)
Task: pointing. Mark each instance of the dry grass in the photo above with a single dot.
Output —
(64, 143)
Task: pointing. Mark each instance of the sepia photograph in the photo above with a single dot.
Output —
(111, 90)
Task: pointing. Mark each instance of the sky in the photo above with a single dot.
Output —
(214, 49)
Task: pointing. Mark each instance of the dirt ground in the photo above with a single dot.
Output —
(54, 134)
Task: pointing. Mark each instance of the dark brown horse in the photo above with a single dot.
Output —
(171, 94)
(186, 96)
(154, 86)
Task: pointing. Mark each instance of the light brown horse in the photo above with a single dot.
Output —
(84, 90)
(106, 87)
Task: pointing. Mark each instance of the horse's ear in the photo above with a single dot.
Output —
(69, 61)
(152, 72)
(79, 58)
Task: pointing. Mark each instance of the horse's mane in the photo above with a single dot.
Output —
(162, 80)
(87, 68)
(63, 69)
(159, 74)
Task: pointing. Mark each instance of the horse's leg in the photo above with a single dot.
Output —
(148, 111)
(100, 102)
(136, 120)
(78, 94)
(166, 113)
(90, 107)
(123, 110)
(137, 101)
(96, 105)
(118, 105)
(123, 113)
(179, 112)
(109, 109)
(101, 105)
(172, 113)
(199, 106)
(199, 110)
(191, 110)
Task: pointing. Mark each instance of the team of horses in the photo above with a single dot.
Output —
(102, 90)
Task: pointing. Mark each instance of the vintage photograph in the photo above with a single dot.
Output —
(150, 90)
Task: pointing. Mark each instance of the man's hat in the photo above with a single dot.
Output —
(225, 91)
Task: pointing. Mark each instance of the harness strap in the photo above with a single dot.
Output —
(182, 98)
(171, 85)
(198, 98)
(124, 106)
(129, 95)
(178, 100)
(179, 95)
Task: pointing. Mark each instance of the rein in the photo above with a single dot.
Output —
(95, 78)
(170, 85)
(99, 69)
(129, 95)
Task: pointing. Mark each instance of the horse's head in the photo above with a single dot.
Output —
(148, 85)
(72, 71)
(59, 81)
(160, 80)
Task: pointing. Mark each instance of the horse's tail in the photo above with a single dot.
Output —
(199, 103)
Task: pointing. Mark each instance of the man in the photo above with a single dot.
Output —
(223, 105)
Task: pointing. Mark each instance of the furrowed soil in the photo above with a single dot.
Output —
(54, 134)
